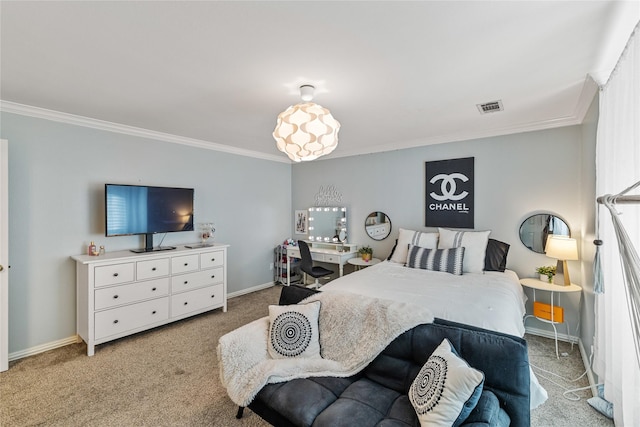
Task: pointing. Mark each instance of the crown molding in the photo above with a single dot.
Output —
(72, 119)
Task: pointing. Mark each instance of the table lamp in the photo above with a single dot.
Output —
(562, 248)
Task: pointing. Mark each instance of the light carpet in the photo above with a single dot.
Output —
(169, 377)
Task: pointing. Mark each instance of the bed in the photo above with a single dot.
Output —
(459, 275)
(490, 300)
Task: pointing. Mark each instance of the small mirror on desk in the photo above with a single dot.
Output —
(328, 224)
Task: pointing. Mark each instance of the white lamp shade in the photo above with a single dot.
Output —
(562, 248)
(306, 131)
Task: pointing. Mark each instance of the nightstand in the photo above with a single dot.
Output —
(360, 263)
(555, 314)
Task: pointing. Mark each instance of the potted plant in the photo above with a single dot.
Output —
(366, 253)
(546, 272)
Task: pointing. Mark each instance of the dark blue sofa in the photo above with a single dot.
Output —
(377, 396)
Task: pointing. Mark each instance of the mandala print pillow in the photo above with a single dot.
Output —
(293, 330)
(446, 389)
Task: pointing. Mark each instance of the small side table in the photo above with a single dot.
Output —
(540, 285)
(360, 263)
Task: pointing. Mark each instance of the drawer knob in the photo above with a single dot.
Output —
(115, 321)
(186, 263)
(115, 274)
(213, 296)
(186, 281)
(153, 289)
(115, 297)
(213, 259)
(153, 269)
(153, 312)
(185, 303)
(213, 276)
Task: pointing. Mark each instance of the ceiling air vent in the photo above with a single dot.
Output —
(490, 107)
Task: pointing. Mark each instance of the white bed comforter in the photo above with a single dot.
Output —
(490, 300)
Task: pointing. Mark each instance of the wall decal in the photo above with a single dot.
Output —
(450, 193)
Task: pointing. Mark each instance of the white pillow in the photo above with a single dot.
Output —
(446, 389)
(474, 242)
(416, 238)
(293, 331)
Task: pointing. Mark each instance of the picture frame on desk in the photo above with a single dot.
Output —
(300, 222)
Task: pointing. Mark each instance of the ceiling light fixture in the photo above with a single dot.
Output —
(306, 131)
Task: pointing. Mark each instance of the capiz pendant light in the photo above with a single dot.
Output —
(306, 131)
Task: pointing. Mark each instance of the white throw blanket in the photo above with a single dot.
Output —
(354, 329)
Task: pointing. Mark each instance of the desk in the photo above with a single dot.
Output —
(536, 284)
(360, 263)
(332, 253)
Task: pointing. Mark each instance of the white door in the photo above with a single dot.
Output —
(4, 255)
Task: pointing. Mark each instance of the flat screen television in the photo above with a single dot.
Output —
(146, 210)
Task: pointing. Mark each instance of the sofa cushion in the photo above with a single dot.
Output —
(293, 330)
(488, 412)
(446, 389)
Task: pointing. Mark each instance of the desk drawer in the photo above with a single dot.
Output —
(118, 320)
(126, 294)
(113, 274)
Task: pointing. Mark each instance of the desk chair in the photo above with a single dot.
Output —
(306, 264)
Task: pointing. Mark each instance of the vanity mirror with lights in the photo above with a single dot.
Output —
(328, 224)
(327, 238)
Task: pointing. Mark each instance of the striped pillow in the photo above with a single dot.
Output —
(445, 260)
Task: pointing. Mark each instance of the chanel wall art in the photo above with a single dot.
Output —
(449, 193)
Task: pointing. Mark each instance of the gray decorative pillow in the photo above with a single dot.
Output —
(293, 330)
(445, 260)
(446, 389)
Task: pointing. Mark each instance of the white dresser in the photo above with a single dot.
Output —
(121, 293)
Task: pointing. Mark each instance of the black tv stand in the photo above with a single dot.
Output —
(156, 249)
(148, 246)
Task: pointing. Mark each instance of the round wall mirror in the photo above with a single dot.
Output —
(377, 225)
(535, 230)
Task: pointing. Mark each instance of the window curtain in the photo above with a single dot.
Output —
(617, 168)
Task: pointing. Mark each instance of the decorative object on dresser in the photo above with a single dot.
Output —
(121, 293)
(563, 249)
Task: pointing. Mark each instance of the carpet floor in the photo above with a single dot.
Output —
(169, 377)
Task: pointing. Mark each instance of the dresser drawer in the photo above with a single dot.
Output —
(212, 259)
(113, 274)
(334, 259)
(183, 264)
(129, 317)
(126, 294)
(195, 300)
(152, 268)
(198, 279)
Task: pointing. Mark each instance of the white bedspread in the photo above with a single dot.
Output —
(490, 300)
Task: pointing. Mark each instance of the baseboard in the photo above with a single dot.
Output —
(549, 334)
(250, 290)
(75, 338)
(43, 347)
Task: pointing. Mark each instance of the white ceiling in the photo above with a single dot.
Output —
(395, 74)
